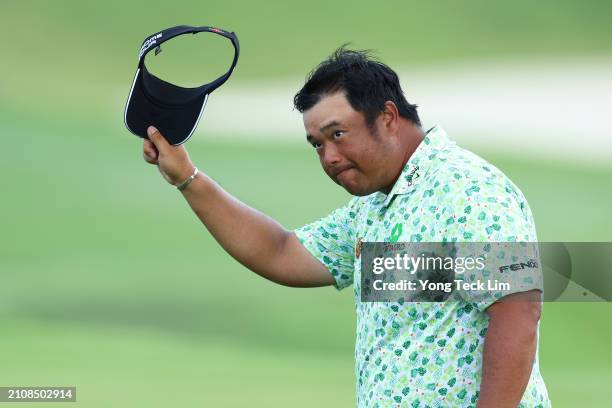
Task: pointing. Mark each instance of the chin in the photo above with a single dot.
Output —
(357, 190)
(353, 186)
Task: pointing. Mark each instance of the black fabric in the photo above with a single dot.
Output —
(172, 109)
(164, 92)
(175, 121)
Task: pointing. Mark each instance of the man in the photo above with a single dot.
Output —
(409, 185)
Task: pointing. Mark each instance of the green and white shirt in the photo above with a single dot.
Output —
(425, 354)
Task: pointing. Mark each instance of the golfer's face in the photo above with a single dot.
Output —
(349, 153)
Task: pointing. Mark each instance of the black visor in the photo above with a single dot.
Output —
(172, 109)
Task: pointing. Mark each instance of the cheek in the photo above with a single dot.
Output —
(370, 159)
(321, 161)
(374, 170)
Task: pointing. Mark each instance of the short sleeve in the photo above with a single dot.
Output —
(490, 218)
(509, 267)
(331, 241)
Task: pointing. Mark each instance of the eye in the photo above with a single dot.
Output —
(338, 134)
(316, 145)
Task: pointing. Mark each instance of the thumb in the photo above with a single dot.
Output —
(157, 138)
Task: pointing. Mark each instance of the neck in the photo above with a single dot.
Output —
(410, 139)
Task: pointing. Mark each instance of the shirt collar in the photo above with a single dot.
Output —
(419, 163)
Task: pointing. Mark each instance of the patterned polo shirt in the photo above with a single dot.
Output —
(428, 354)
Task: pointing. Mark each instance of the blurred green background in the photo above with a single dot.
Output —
(109, 282)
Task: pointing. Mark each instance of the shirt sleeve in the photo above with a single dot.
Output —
(493, 220)
(331, 241)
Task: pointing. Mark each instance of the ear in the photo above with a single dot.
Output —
(390, 116)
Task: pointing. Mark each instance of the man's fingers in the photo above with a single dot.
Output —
(156, 137)
(149, 151)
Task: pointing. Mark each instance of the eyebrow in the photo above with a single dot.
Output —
(331, 124)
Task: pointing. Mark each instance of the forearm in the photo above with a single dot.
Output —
(252, 238)
(509, 352)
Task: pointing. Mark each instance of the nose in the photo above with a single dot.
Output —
(331, 156)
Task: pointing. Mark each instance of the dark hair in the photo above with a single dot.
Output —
(366, 82)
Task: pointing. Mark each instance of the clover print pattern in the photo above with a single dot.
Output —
(423, 355)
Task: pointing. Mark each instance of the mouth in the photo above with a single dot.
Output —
(338, 172)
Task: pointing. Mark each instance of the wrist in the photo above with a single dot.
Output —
(180, 173)
(182, 184)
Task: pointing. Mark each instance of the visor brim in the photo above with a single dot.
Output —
(176, 122)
